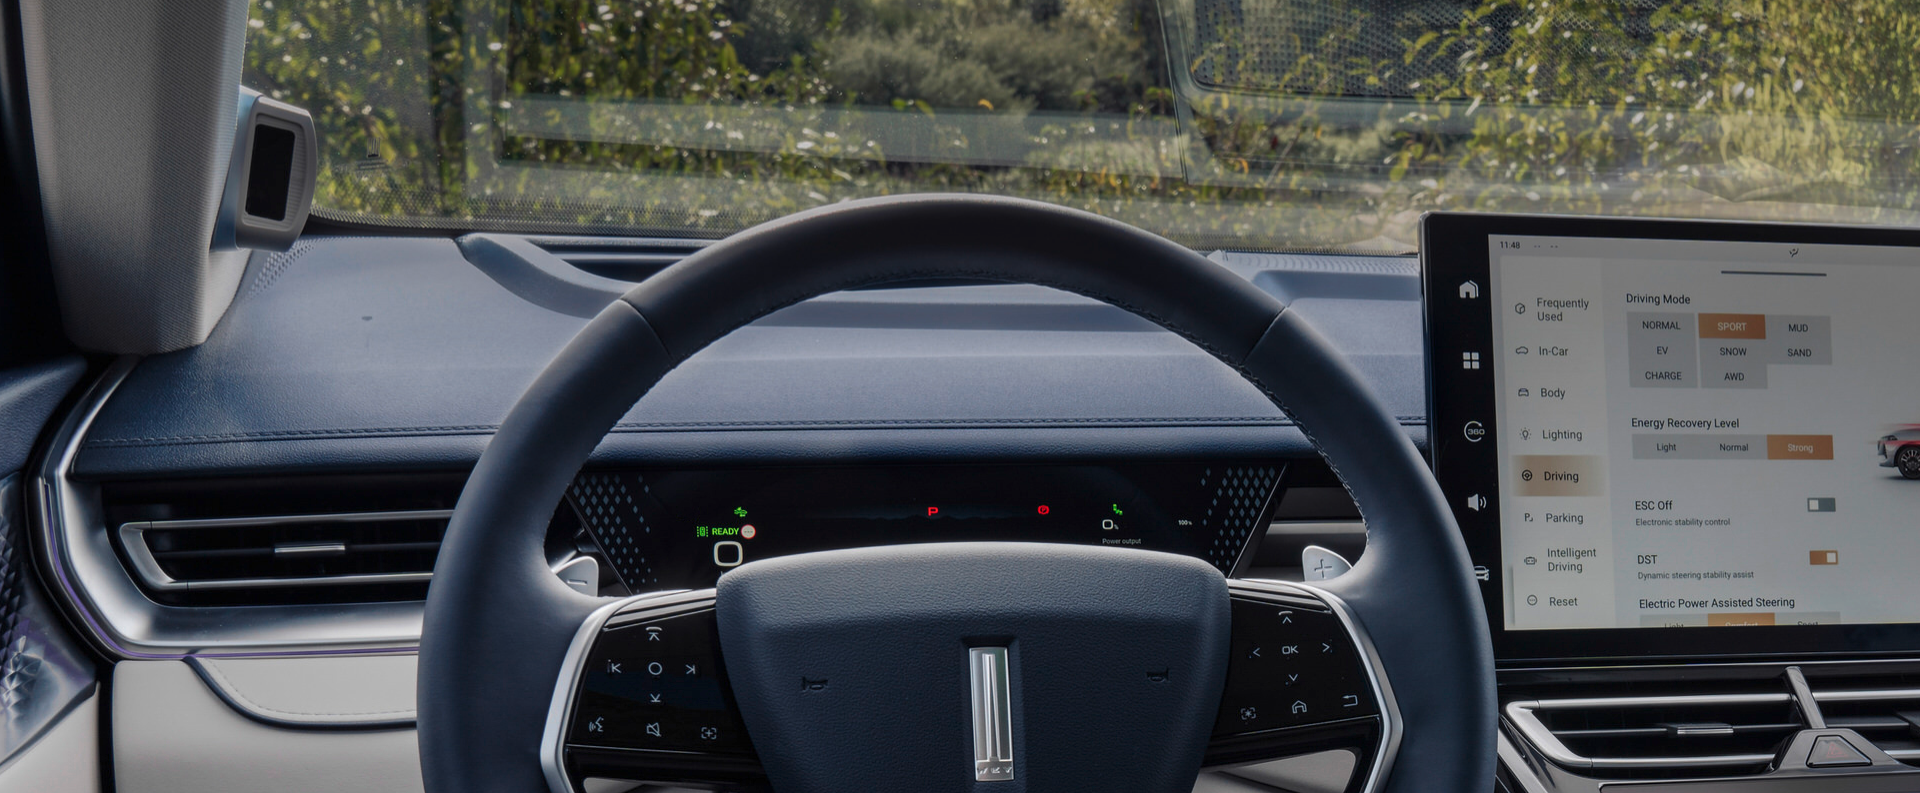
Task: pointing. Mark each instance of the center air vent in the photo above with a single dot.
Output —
(1687, 735)
(1887, 716)
(392, 551)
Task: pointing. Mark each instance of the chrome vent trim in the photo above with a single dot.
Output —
(1867, 695)
(133, 538)
(76, 550)
(1524, 715)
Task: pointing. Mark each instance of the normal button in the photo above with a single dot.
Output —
(1831, 751)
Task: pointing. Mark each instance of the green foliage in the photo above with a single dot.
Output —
(1793, 108)
(1241, 123)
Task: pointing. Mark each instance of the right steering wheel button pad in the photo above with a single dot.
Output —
(1295, 673)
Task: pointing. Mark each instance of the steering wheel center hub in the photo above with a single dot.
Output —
(941, 667)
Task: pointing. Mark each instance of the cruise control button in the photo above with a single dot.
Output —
(1831, 751)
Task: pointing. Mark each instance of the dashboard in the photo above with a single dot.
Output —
(1654, 431)
(1696, 453)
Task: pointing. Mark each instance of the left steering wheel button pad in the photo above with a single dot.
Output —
(656, 683)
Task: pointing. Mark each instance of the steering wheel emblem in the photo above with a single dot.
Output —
(992, 721)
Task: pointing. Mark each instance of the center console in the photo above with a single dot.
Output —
(1684, 458)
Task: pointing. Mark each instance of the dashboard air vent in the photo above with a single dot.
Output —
(620, 258)
(1668, 736)
(1889, 717)
(391, 550)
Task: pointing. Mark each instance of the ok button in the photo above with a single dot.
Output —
(1290, 649)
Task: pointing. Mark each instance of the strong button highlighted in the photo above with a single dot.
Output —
(1799, 447)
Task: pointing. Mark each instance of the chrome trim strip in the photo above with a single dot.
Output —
(1390, 725)
(310, 549)
(295, 520)
(1678, 665)
(74, 549)
(1521, 715)
(133, 540)
(992, 699)
(553, 761)
(1866, 695)
(1683, 700)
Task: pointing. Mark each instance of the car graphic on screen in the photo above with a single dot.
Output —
(1901, 451)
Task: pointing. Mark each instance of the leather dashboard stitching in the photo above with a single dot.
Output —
(672, 426)
(233, 689)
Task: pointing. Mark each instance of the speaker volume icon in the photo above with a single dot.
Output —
(1476, 502)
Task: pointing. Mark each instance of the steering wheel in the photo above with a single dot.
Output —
(968, 666)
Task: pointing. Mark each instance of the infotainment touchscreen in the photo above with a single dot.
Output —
(1649, 426)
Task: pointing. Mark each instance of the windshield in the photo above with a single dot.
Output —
(1243, 124)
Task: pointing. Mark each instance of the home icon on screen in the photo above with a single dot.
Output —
(1469, 290)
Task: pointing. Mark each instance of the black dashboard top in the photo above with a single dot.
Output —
(398, 354)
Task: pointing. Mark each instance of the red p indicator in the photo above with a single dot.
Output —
(932, 511)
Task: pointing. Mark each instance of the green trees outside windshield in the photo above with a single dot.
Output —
(1252, 124)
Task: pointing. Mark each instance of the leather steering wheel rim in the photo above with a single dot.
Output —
(498, 622)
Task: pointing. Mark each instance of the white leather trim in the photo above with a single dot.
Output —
(64, 759)
(173, 735)
(360, 691)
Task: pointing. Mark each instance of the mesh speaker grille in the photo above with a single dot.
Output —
(1239, 498)
(612, 505)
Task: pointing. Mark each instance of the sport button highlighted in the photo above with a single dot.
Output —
(1733, 326)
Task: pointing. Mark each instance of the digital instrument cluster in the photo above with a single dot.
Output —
(673, 528)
